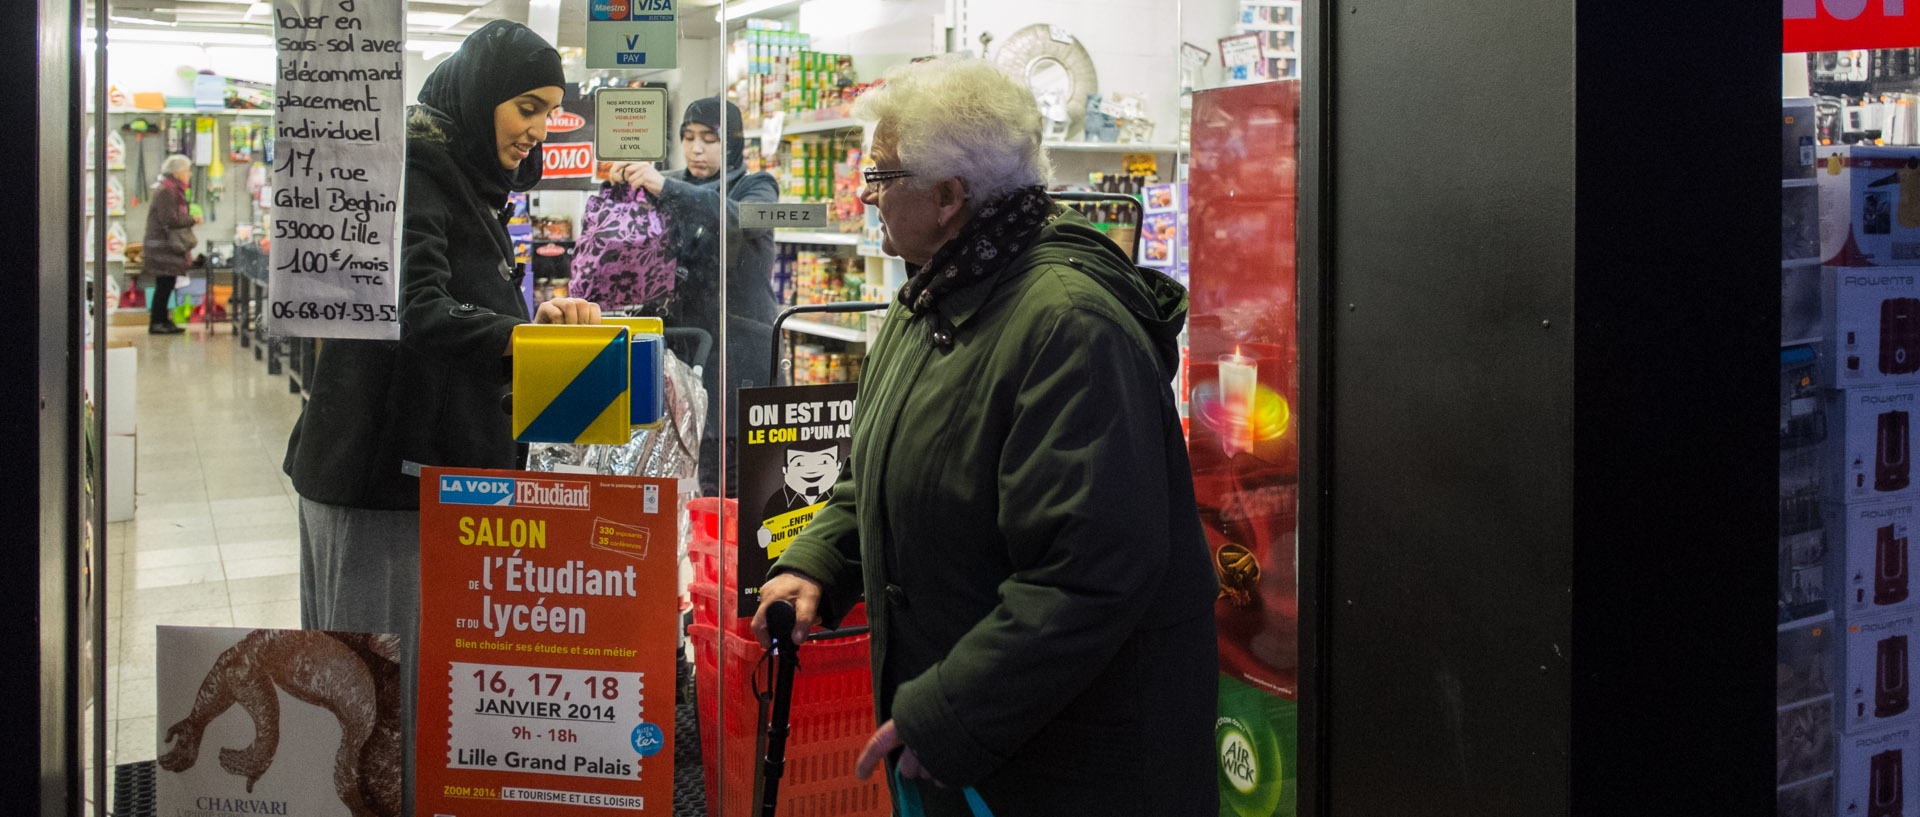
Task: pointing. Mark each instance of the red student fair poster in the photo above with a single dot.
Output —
(547, 617)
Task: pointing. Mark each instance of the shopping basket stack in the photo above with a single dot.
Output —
(832, 709)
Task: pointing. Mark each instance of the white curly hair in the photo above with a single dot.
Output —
(960, 116)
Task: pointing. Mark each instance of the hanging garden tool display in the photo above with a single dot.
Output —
(140, 128)
(240, 143)
(207, 166)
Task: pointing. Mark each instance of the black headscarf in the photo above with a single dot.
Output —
(707, 112)
(502, 60)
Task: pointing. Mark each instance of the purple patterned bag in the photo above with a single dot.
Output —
(621, 257)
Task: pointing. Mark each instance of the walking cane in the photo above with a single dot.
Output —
(786, 658)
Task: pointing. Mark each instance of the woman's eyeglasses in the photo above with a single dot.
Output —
(875, 178)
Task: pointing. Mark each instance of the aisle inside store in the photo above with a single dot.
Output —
(213, 539)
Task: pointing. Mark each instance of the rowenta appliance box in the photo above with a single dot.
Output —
(1869, 205)
(1874, 315)
(1881, 654)
(1871, 446)
(1874, 571)
(1876, 772)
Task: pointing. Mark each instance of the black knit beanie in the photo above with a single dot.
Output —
(502, 60)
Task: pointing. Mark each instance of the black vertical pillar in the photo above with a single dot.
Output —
(1545, 576)
(1676, 433)
(39, 414)
(1450, 397)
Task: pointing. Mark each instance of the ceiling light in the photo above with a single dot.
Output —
(748, 8)
(177, 36)
(142, 17)
(433, 19)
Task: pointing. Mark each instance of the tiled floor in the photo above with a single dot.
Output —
(213, 540)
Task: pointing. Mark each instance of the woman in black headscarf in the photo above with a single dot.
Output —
(691, 200)
(380, 410)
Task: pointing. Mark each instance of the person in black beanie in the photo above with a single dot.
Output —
(691, 199)
(380, 410)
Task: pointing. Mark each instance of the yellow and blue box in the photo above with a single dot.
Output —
(647, 368)
(587, 384)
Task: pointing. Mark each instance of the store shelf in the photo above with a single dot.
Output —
(1114, 147)
(1788, 344)
(192, 111)
(825, 330)
(1790, 183)
(1800, 262)
(805, 237)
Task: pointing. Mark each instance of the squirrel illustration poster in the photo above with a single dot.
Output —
(294, 722)
(794, 442)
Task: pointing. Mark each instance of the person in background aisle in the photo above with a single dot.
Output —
(380, 410)
(165, 212)
(1018, 508)
(691, 200)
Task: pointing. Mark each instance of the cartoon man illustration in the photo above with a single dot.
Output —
(810, 470)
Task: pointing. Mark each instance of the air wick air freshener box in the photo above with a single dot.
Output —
(1869, 205)
(1255, 738)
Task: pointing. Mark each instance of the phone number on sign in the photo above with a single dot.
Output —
(309, 310)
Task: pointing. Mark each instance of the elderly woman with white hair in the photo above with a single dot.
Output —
(1018, 508)
(167, 213)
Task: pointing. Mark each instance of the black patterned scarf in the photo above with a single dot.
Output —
(999, 230)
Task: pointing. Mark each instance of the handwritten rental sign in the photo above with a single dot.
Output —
(338, 165)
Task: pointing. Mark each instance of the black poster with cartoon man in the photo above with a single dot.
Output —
(793, 440)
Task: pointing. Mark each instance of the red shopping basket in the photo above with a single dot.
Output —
(704, 549)
(832, 717)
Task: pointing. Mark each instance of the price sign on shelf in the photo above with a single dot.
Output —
(1240, 50)
(1193, 57)
(339, 161)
